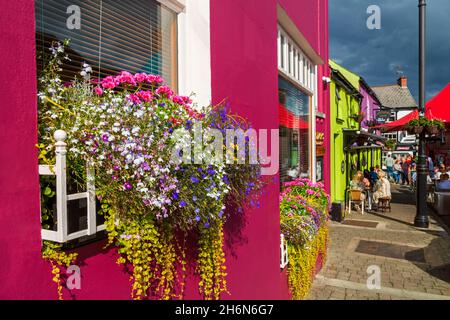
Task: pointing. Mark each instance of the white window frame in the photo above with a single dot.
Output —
(305, 78)
(297, 66)
(194, 50)
(173, 5)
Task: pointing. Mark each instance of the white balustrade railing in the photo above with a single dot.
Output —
(284, 258)
(62, 235)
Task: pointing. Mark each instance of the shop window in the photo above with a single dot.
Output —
(294, 108)
(110, 36)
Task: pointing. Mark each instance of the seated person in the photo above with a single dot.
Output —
(441, 171)
(382, 188)
(357, 183)
(373, 176)
(443, 183)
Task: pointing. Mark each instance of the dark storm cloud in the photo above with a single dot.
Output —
(377, 54)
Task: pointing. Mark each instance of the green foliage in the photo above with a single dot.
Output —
(390, 143)
(53, 253)
(304, 208)
(302, 263)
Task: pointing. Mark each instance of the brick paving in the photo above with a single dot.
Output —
(403, 275)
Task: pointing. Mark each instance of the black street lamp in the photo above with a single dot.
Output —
(421, 219)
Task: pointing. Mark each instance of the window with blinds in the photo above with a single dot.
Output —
(294, 113)
(112, 36)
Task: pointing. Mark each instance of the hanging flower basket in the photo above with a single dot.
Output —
(433, 130)
(414, 129)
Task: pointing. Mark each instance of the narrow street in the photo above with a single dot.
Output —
(414, 264)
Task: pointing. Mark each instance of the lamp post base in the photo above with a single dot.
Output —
(421, 222)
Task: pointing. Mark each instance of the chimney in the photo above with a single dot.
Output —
(403, 82)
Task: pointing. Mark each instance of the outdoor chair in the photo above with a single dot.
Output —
(384, 204)
(354, 197)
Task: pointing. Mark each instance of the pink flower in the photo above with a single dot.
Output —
(126, 77)
(134, 98)
(154, 79)
(147, 96)
(164, 91)
(183, 100)
(310, 192)
(109, 83)
(140, 77)
(98, 91)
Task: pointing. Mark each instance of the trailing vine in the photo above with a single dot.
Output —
(302, 263)
(53, 253)
(211, 262)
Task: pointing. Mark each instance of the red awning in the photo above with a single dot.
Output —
(437, 107)
(290, 120)
(399, 124)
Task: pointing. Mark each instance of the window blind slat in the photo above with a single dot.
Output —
(115, 35)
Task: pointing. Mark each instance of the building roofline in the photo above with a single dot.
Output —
(370, 90)
(344, 82)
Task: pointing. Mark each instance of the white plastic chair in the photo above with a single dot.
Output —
(354, 196)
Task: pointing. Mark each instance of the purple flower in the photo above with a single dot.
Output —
(114, 178)
(146, 166)
(194, 179)
(225, 179)
(220, 213)
(197, 218)
(175, 195)
(211, 171)
(197, 210)
(183, 203)
(105, 138)
(116, 168)
(206, 225)
(127, 186)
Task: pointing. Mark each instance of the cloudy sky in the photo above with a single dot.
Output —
(377, 54)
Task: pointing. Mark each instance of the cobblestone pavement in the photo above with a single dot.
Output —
(414, 263)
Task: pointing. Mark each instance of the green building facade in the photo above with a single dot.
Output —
(351, 149)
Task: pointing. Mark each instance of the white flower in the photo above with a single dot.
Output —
(135, 130)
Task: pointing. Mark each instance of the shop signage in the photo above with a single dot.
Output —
(320, 144)
(405, 148)
(383, 116)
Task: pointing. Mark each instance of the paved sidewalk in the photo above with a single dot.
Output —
(414, 263)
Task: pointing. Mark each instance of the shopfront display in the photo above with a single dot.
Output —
(294, 108)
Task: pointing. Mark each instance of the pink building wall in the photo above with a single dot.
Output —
(244, 70)
(369, 106)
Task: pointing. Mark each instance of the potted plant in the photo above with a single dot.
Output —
(390, 144)
(414, 127)
(435, 126)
